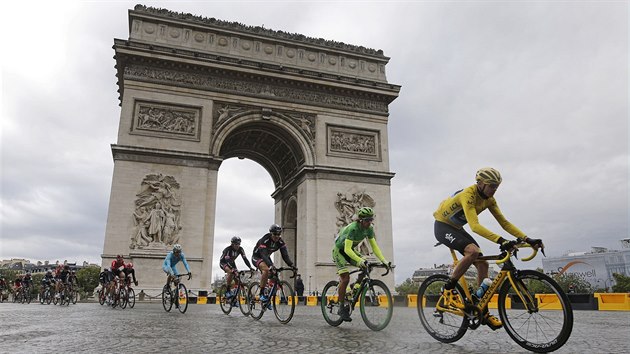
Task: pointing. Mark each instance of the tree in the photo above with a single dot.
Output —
(88, 279)
(407, 287)
(622, 283)
(579, 285)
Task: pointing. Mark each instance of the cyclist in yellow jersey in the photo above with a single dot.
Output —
(462, 208)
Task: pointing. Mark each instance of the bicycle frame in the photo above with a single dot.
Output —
(365, 282)
(506, 273)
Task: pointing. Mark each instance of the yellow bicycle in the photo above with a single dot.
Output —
(534, 310)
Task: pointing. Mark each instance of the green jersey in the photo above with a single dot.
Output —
(353, 232)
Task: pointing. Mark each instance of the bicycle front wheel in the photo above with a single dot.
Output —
(131, 297)
(167, 301)
(377, 305)
(540, 317)
(243, 299)
(75, 296)
(182, 298)
(123, 298)
(256, 309)
(224, 302)
(330, 303)
(439, 319)
(283, 302)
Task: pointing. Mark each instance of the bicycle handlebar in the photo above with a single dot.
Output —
(281, 269)
(519, 244)
(388, 266)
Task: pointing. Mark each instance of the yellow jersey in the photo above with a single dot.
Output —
(463, 207)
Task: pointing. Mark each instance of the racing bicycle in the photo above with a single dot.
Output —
(238, 296)
(373, 296)
(534, 310)
(281, 297)
(175, 293)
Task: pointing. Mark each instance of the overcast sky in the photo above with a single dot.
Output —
(536, 89)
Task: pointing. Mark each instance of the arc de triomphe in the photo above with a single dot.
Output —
(195, 91)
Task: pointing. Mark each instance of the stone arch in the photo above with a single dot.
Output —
(188, 102)
(270, 140)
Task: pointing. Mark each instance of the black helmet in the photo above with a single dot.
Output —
(275, 229)
(236, 240)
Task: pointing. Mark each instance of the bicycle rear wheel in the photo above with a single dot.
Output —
(330, 303)
(541, 317)
(256, 308)
(442, 322)
(123, 298)
(283, 302)
(377, 305)
(167, 301)
(101, 296)
(224, 302)
(131, 297)
(243, 299)
(182, 298)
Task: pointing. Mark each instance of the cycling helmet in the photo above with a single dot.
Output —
(177, 247)
(275, 229)
(129, 265)
(236, 240)
(49, 271)
(119, 256)
(488, 175)
(365, 212)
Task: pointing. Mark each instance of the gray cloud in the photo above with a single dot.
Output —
(535, 89)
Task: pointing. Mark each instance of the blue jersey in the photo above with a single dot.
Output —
(171, 261)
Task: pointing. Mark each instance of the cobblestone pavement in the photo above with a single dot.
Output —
(90, 327)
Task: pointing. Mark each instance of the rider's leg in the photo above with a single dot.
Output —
(344, 279)
(482, 271)
(264, 269)
(471, 252)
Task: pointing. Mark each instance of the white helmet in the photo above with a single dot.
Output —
(177, 247)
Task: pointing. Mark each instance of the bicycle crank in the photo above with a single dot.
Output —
(473, 314)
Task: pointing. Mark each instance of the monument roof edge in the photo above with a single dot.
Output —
(258, 31)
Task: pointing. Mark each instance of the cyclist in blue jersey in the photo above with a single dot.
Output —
(171, 260)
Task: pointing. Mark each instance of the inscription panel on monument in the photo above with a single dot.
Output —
(353, 143)
(166, 120)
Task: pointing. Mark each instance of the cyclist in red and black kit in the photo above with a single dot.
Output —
(118, 270)
(267, 245)
(129, 270)
(228, 260)
(63, 276)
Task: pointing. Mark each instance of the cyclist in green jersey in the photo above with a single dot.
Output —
(462, 208)
(344, 252)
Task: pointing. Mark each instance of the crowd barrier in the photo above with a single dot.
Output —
(597, 301)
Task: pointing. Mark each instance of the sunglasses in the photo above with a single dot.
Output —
(366, 219)
(276, 233)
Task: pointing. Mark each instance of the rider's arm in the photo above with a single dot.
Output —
(185, 263)
(473, 221)
(505, 224)
(245, 258)
(347, 249)
(285, 256)
(377, 250)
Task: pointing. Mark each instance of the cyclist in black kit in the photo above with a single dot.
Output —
(228, 261)
(267, 245)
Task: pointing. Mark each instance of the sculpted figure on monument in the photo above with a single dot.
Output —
(157, 214)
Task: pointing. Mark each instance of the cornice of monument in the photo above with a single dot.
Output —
(162, 156)
(260, 31)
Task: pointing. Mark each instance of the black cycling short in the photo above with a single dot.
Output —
(453, 237)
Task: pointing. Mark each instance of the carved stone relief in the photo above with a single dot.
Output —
(166, 120)
(348, 207)
(157, 213)
(250, 87)
(353, 143)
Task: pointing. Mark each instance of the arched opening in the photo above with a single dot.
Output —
(244, 208)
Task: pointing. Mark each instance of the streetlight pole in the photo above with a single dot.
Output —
(309, 285)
